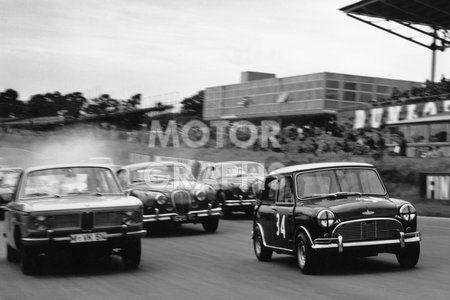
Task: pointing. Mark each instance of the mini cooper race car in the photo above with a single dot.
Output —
(171, 194)
(334, 208)
(64, 208)
(234, 184)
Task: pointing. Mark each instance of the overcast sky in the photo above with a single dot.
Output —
(179, 47)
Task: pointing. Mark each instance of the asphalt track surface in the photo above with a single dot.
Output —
(186, 263)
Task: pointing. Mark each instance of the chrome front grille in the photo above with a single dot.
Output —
(108, 219)
(181, 201)
(65, 221)
(368, 229)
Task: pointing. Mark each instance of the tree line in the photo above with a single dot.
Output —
(71, 105)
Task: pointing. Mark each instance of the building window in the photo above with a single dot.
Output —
(438, 132)
(366, 87)
(332, 94)
(349, 96)
(384, 89)
(418, 133)
(365, 97)
(332, 84)
(350, 86)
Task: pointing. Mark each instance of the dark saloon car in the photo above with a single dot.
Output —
(332, 208)
(8, 182)
(171, 194)
(71, 208)
(234, 184)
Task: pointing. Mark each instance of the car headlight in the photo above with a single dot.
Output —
(326, 218)
(39, 223)
(407, 212)
(131, 218)
(200, 195)
(161, 199)
(244, 187)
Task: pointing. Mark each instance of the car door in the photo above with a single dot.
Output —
(265, 214)
(283, 215)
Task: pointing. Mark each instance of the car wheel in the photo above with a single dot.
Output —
(210, 224)
(28, 261)
(12, 255)
(409, 256)
(262, 252)
(131, 254)
(306, 256)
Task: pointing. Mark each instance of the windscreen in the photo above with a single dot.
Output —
(365, 181)
(69, 181)
(240, 169)
(161, 173)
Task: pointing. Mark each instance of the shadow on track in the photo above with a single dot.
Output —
(346, 265)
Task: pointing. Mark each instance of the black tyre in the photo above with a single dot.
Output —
(307, 258)
(409, 256)
(28, 261)
(12, 255)
(210, 224)
(262, 252)
(131, 254)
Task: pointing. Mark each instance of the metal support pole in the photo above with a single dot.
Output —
(433, 56)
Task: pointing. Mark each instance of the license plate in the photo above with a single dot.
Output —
(88, 237)
(179, 218)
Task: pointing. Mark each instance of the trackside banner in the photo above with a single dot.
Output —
(377, 116)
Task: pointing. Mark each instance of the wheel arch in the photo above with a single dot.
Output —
(303, 229)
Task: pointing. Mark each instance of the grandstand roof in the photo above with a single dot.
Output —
(434, 14)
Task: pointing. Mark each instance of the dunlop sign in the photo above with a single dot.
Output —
(377, 116)
(437, 186)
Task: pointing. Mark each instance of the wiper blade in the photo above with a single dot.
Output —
(332, 196)
(86, 193)
(37, 194)
(347, 194)
(316, 196)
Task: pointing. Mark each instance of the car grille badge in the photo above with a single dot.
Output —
(368, 212)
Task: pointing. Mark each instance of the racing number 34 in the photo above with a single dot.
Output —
(281, 228)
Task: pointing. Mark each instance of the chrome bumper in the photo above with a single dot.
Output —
(49, 238)
(177, 217)
(243, 202)
(330, 243)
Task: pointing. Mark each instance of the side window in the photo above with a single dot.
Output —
(270, 189)
(285, 194)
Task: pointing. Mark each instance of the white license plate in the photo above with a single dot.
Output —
(179, 218)
(88, 237)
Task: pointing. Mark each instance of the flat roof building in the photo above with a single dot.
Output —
(262, 95)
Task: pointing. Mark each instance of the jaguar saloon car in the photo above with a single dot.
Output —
(171, 194)
(71, 208)
(234, 184)
(332, 208)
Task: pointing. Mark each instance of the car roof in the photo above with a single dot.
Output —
(313, 166)
(236, 162)
(10, 169)
(152, 163)
(66, 165)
